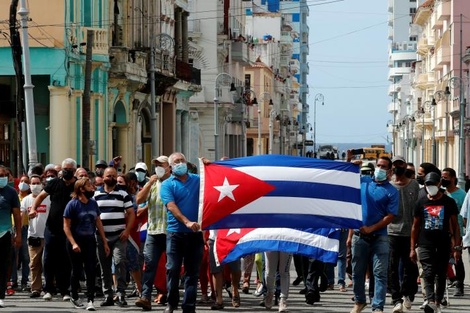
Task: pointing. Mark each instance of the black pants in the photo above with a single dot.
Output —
(56, 263)
(5, 253)
(85, 259)
(434, 261)
(400, 252)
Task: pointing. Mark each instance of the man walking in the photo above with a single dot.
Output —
(403, 287)
(180, 195)
(370, 243)
(117, 216)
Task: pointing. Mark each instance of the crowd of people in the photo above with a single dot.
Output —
(138, 230)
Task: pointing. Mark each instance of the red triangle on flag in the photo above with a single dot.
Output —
(226, 190)
(227, 239)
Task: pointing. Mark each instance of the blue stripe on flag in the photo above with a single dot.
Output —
(280, 220)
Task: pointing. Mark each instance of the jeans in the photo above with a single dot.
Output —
(341, 264)
(21, 257)
(377, 250)
(56, 265)
(400, 252)
(278, 261)
(5, 251)
(155, 246)
(188, 247)
(434, 261)
(85, 259)
(117, 253)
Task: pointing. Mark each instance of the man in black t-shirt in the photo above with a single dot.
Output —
(56, 267)
(436, 233)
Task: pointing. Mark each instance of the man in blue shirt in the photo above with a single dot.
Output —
(180, 195)
(9, 205)
(369, 244)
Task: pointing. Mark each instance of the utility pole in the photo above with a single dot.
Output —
(86, 107)
(15, 44)
(28, 88)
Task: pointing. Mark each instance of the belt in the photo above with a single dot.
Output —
(369, 237)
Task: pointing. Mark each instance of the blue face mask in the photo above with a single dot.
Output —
(380, 174)
(3, 182)
(179, 169)
(140, 176)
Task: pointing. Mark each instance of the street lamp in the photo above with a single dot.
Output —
(263, 97)
(426, 107)
(226, 80)
(433, 116)
(445, 95)
(272, 115)
(246, 100)
(318, 97)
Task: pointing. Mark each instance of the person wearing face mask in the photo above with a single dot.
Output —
(9, 206)
(22, 255)
(117, 215)
(49, 173)
(141, 173)
(436, 234)
(410, 171)
(403, 286)
(155, 243)
(449, 182)
(35, 235)
(56, 272)
(100, 166)
(379, 201)
(81, 222)
(180, 195)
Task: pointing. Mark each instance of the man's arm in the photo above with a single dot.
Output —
(379, 225)
(130, 219)
(17, 218)
(37, 202)
(143, 194)
(414, 238)
(173, 208)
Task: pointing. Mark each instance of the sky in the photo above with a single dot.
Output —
(348, 62)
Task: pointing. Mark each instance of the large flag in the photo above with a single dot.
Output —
(279, 191)
(320, 244)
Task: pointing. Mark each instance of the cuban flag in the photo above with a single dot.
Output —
(320, 244)
(269, 191)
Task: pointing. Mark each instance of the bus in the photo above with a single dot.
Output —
(374, 152)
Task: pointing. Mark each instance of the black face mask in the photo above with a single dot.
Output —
(445, 182)
(120, 187)
(88, 194)
(420, 179)
(110, 182)
(409, 173)
(99, 172)
(67, 174)
(399, 171)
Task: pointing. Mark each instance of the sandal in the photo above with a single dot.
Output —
(236, 301)
(246, 288)
(217, 306)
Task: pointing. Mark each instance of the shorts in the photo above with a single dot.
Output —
(133, 258)
(234, 266)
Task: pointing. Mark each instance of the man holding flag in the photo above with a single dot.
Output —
(369, 243)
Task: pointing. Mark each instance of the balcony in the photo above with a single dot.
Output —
(279, 86)
(129, 65)
(390, 33)
(398, 71)
(393, 107)
(241, 52)
(392, 89)
(100, 39)
(188, 73)
(442, 10)
(390, 6)
(443, 55)
(294, 66)
(425, 80)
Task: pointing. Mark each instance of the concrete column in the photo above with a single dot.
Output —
(59, 123)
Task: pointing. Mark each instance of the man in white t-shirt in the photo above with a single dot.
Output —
(36, 233)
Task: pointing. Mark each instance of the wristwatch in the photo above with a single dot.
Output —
(458, 248)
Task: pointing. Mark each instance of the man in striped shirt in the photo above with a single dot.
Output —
(117, 215)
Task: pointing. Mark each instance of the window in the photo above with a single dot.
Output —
(412, 10)
(413, 38)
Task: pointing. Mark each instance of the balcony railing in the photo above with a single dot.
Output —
(128, 64)
(188, 73)
(100, 39)
(241, 52)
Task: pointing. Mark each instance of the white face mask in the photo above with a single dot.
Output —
(23, 186)
(36, 189)
(160, 171)
(432, 190)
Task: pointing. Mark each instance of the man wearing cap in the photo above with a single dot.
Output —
(435, 232)
(141, 173)
(399, 232)
(100, 166)
(379, 200)
(155, 244)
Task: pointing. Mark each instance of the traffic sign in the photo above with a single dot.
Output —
(308, 142)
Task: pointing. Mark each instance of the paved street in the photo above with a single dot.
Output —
(331, 301)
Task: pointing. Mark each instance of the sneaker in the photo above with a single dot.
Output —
(297, 281)
(459, 291)
(283, 305)
(2, 304)
(108, 301)
(268, 301)
(121, 301)
(90, 306)
(217, 306)
(143, 303)
(430, 308)
(407, 302)
(423, 305)
(66, 298)
(398, 308)
(77, 303)
(444, 302)
(259, 291)
(47, 296)
(10, 291)
(358, 307)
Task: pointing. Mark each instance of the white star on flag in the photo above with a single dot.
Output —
(226, 190)
(233, 231)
